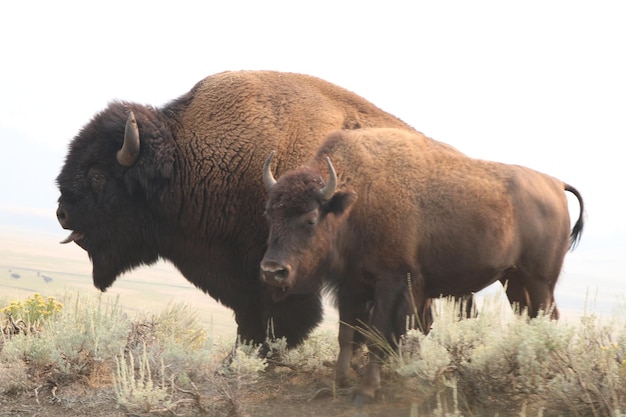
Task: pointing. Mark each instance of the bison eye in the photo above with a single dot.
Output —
(310, 219)
(97, 180)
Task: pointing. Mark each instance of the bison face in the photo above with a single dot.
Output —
(304, 221)
(107, 186)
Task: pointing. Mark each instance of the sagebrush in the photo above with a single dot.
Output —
(168, 363)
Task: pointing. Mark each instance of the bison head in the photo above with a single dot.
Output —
(304, 217)
(114, 174)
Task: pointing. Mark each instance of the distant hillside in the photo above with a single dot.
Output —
(34, 261)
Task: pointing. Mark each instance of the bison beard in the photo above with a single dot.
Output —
(182, 183)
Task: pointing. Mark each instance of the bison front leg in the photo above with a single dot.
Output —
(294, 317)
(250, 325)
(382, 323)
(415, 305)
(346, 347)
(354, 310)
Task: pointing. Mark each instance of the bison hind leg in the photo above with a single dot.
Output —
(466, 306)
(530, 295)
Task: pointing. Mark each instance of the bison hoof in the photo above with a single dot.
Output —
(363, 396)
(330, 389)
(342, 382)
(324, 392)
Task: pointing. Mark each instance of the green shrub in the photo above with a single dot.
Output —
(168, 363)
(137, 389)
(178, 338)
(320, 349)
(246, 364)
(540, 366)
(69, 342)
(13, 378)
(28, 315)
(167, 356)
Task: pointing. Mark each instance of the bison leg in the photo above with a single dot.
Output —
(415, 305)
(516, 293)
(346, 338)
(294, 317)
(384, 322)
(425, 319)
(354, 310)
(541, 296)
(466, 306)
(250, 326)
(530, 294)
(259, 320)
(371, 382)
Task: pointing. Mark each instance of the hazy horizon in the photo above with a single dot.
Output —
(591, 280)
(539, 84)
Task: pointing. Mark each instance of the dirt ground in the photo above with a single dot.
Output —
(279, 392)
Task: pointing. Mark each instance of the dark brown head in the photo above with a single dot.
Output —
(304, 215)
(117, 165)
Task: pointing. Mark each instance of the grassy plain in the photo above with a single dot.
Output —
(137, 351)
(46, 267)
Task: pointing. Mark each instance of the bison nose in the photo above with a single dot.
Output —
(62, 217)
(274, 273)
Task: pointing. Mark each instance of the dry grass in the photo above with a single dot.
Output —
(502, 362)
(92, 358)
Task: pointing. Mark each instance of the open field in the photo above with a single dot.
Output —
(48, 268)
(496, 365)
(90, 358)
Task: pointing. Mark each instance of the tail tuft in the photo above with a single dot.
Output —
(577, 231)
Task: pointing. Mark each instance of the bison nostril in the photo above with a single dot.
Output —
(281, 274)
(274, 273)
(61, 216)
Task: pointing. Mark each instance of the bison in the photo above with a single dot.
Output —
(395, 203)
(181, 183)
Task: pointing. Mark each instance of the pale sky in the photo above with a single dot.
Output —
(536, 83)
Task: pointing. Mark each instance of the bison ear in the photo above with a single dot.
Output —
(340, 203)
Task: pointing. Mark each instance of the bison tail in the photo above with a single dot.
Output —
(577, 231)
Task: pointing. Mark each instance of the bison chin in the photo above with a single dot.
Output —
(107, 267)
(102, 280)
(279, 293)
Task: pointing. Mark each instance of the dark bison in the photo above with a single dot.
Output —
(451, 223)
(182, 182)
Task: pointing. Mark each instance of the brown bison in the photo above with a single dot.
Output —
(395, 204)
(182, 183)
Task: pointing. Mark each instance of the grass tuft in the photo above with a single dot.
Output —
(168, 364)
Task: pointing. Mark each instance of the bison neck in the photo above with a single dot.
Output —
(212, 233)
(211, 265)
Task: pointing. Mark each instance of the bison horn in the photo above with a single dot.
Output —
(329, 190)
(268, 177)
(127, 156)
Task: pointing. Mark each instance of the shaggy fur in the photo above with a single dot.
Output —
(407, 205)
(195, 197)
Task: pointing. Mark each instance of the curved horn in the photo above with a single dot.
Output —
(331, 186)
(127, 156)
(268, 177)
